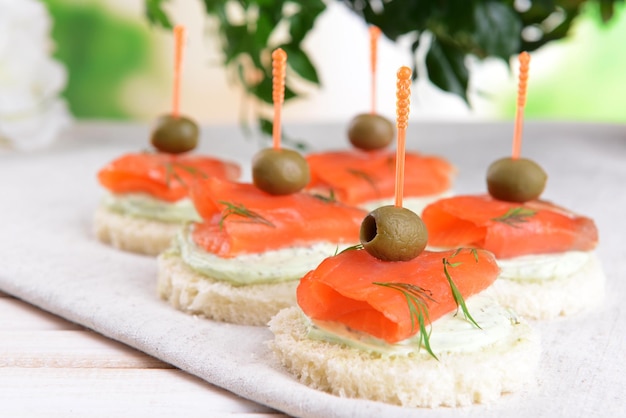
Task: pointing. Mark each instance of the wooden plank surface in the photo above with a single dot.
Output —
(50, 367)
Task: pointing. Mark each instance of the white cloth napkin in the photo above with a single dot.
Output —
(49, 257)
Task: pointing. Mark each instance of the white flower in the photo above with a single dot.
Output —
(31, 112)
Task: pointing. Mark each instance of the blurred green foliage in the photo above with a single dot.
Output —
(100, 50)
(246, 40)
(457, 29)
(586, 81)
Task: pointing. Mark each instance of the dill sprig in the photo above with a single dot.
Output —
(456, 294)
(190, 169)
(241, 210)
(474, 252)
(328, 199)
(363, 175)
(354, 247)
(170, 173)
(416, 301)
(515, 216)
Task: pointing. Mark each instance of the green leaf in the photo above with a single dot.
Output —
(301, 23)
(156, 15)
(239, 42)
(212, 6)
(497, 30)
(538, 11)
(263, 29)
(266, 126)
(263, 90)
(606, 10)
(397, 18)
(299, 61)
(446, 68)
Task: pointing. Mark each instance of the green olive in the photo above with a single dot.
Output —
(280, 171)
(515, 180)
(393, 233)
(370, 131)
(174, 135)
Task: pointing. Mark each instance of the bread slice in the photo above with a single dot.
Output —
(548, 299)
(128, 233)
(198, 294)
(416, 380)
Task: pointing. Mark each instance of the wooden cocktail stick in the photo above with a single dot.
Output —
(403, 95)
(279, 69)
(374, 35)
(524, 60)
(179, 44)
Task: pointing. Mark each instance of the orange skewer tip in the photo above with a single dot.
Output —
(279, 54)
(374, 31)
(404, 73)
(524, 57)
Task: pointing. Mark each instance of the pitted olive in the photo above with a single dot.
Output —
(370, 131)
(393, 233)
(175, 135)
(280, 171)
(515, 180)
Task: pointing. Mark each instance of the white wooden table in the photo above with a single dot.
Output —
(51, 367)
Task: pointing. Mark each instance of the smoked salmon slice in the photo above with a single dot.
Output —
(365, 293)
(165, 176)
(241, 219)
(356, 176)
(507, 229)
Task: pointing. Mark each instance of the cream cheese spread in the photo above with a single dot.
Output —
(268, 267)
(540, 267)
(142, 205)
(543, 267)
(450, 333)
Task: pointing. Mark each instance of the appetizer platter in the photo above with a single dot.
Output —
(50, 259)
(386, 327)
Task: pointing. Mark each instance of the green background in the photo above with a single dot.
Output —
(101, 49)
